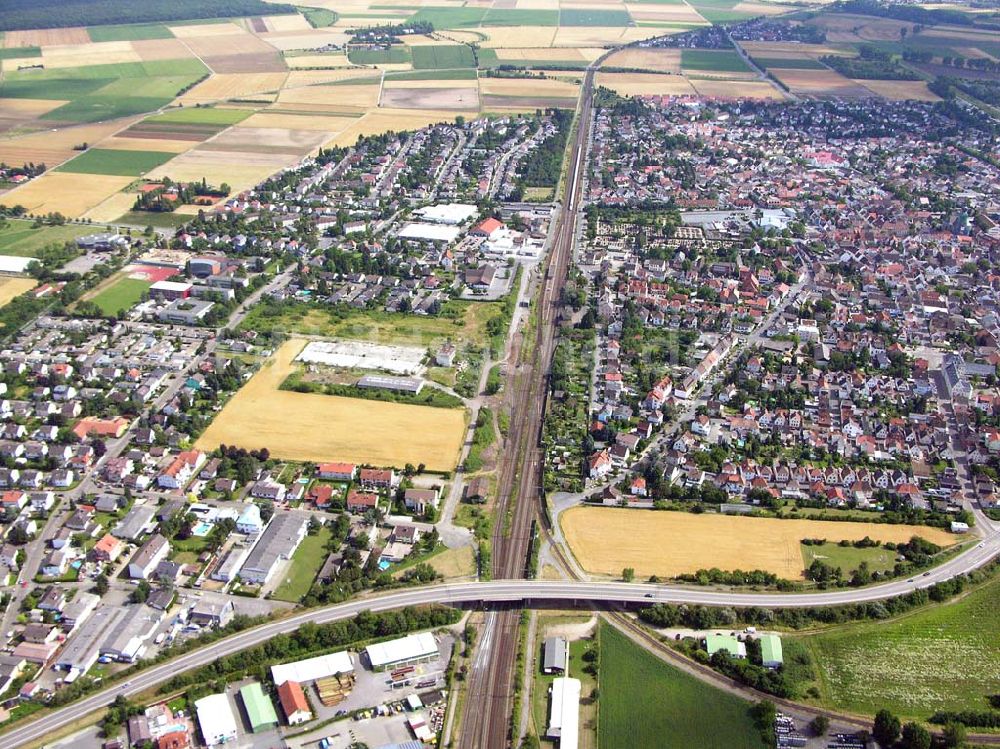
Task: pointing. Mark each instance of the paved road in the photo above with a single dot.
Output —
(522, 592)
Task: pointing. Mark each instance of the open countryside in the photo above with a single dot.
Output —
(311, 427)
(667, 544)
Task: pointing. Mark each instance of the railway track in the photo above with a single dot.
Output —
(487, 721)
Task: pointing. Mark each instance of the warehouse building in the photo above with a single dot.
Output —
(397, 384)
(564, 712)
(770, 651)
(278, 542)
(83, 649)
(216, 719)
(126, 640)
(311, 669)
(405, 651)
(259, 708)
(556, 655)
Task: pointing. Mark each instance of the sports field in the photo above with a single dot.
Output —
(12, 286)
(120, 295)
(311, 427)
(937, 658)
(648, 704)
(606, 540)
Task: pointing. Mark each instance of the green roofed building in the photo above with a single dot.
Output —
(728, 643)
(260, 709)
(770, 651)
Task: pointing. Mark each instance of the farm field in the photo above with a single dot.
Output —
(120, 294)
(655, 60)
(645, 84)
(677, 711)
(938, 658)
(122, 163)
(819, 83)
(311, 427)
(19, 238)
(606, 540)
(901, 90)
(714, 60)
(12, 286)
(69, 194)
(731, 89)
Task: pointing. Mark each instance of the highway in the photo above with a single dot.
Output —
(524, 593)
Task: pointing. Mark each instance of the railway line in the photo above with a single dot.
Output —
(487, 721)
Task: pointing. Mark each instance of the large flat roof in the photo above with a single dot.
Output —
(564, 712)
(313, 668)
(430, 232)
(260, 709)
(215, 717)
(404, 649)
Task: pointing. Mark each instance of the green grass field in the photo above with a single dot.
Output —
(647, 704)
(848, 558)
(305, 564)
(100, 108)
(10, 53)
(540, 697)
(318, 18)
(459, 74)
(523, 17)
(437, 56)
(938, 658)
(596, 17)
(797, 63)
(720, 60)
(124, 293)
(719, 11)
(450, 18)
(201, 116)
(109, 161)
(149, 218)
(129, 32)
(393, 56)
(18, 238)
(43, 88)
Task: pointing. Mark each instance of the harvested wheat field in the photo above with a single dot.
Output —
(313, 427)
(222, 86)
(66, 193)
(318, 122)
(12, 286)
(656, 60)
(640, 33)
(680, 13)
(431, 98)
(759, 9)
(645, 84)
(291, 22)
(901, 90)
(521, 36)
(384, 120)
(265, 140)
(112, 208)
(819, 83)
(793, 50)
(737, 89)
(844, 27)
(318, 61)
(45, 37)
(528, 87)
(95, 53)
(606, 540)
(128, 143)
(160, 49)
(301, 78)
(201, 30)
(543, 54)
(312, 39)
(346, 95)
(54, 147)
(240, 169)
(596, 36)
(27, 109)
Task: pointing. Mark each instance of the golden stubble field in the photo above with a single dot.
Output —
(312, 427)
(606, 540)
(12, 286)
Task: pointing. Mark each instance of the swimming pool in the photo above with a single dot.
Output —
(202, 528)
(384, 564)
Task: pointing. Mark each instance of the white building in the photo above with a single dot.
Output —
(216, 719)
(405, 650)
(312, 669)
(564, 712)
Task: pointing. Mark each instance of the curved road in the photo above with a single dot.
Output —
(523, 592)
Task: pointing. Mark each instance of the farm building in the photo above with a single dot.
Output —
(564, 712)
(770, 651)
(293, 703)
(715, 643)
(311, 669)
(556, 655)
(260, 709)
(216, 719)
(385, 382)
(404, 651)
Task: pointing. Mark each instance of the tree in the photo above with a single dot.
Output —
(628, 574)
(819, 725)
(885, 729)
(954, 735)
(915, 736)
(101, 584)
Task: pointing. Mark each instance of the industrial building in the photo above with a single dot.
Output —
(564, 712)
(126, 640)
(230, 564)
(404, 651)
(278, 542)
(259, 708)
(83, 649)
(311, 669)
(216, 719)
(556, 655)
